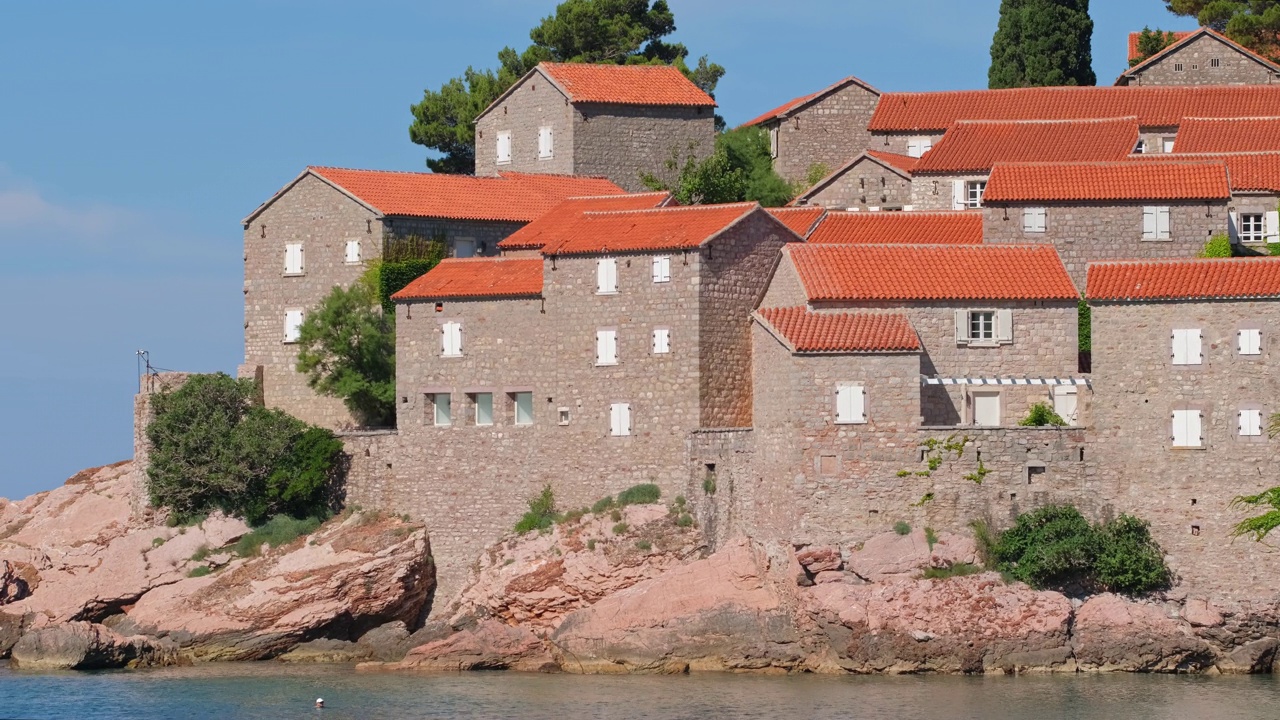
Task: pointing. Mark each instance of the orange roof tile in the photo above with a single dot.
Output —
(1154, 106)
(811, 332)
(671, 228)
(801, 220)
(931, 272)
(905, 163)
(1258, 171)
(974, 146)
(514, 197)
(1222, 135)
(1113, 181)
(786, 108)
(626, 84)
(1182, 39)
(1189, 279)
(546, 228)
(910, 228)
(1133, 41)
(477, 278)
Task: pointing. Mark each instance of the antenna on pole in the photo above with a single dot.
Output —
(144, 361)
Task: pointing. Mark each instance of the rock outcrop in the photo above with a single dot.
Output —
(88, 646)
(1112, 633)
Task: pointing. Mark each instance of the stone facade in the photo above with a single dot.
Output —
(937, 192)
(828, 131)
(899, 143)
(1193, 63)
(865, 184)
(1084, 233)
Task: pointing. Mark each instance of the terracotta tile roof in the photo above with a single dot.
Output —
(786, 108)
(1133, 41)
(626, 84)
(477, 278)
(1154, 106)
(905, 163)
(974, 146)
(1113, 181)
(931, 272)
(810, 332)
(514, 197)
(1246, 171)
(1217, 278)
(1222, 135)
(801, 220)
(1182, 39)
(546, 228)
(908, 228)
(672, 228)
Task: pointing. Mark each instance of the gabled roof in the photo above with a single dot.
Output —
(872, 273)
(477, 278)
(661, 85)
(548, 227)
(1107, 181)
(900, 165)
(804, 331)
(1184, 40)
(976, 145)
(909, 228)
(792, 106)
(1258, 171)
(1154, 106)
(1134, 52)
(511, 197)
(800, 220)
(1189, 279)
(671, 228)
(1223, 135)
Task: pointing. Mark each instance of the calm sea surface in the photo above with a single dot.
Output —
(270, 690)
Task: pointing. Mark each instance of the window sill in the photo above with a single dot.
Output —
(546, 157)
(661, 282)
(483, 425)
(288, 342)
(1157, 240)
(982, 344)
(610, 292)
(1185, 448)
(522, 425)
(852, 422)
(612, 364)
(451, 356)
(353, 262)
(293, 274)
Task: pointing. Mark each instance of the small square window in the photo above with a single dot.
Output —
(974, 190)
(1177, 67)
(1141, 147)
(1166, 144)
(564, 415)
(353, 252)
(662, 269)
(982, 325)
(1215, 62)
(1250, 423)
(1034, 219)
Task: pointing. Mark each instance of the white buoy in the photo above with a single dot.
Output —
(319, 702)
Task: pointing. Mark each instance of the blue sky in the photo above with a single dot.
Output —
(136, 134)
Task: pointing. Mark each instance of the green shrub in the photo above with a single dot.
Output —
(620, 528)
(643, 494)
(644, 545)
(200, 571)
(573, 516)
(985, 543)
(930, 537)
(957, 570)
(902, 528)
(1042, 414)
(1129, 560)
(541, 514)
(709, 485)
(680, 501)
(201, 553)
(279, 530)
(1273, 248)
(1218, 246)
(157, 542)
(616, 515)
(1084, 326)
(684, 521)
(591, 544)
(602, 504)
(406, 259)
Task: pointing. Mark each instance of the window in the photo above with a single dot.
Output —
(1033, 220)
(606, 347)
(563, 414)
(1250, 341)
(523, 402)
(984, 327)
(661, 341)
(1166, 144)
(620, 419)
(1155, 223)
(986, 408)
(662, 269)
(353, 252)
(918, 146)
(1186, 347)
(545, 143)
(973, 193)
(464, 248)
(1215, 62)
(1066, 402)
(504, 147)
(292, 325)
(606, 276)
(773, 140)
(850, 405)
(484, 408)
(1186, 429)
(293, 259)
(1250, 422)
(1252, 229)
(1141, 147)
(441, 409)
(451, 339)
(1177, 67)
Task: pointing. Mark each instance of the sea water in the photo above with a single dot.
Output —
(273, 690)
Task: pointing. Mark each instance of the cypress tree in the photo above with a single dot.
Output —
(1042, 43)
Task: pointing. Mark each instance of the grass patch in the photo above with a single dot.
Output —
(602, 504)
(157, 542)
(684, 521)
(644, 545)
(930, 537)
(902, 528)
(201, 553)
(200, 571)
(620, 528)
(957, 570)
(177, 519)
(542, 513)
(616, 515)
(642, 494)
(573, 516)
(591, 544)
(275, 532)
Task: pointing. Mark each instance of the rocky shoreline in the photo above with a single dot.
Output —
(86, 581)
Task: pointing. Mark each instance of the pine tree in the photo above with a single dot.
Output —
(1151, 42)
(1041, 43)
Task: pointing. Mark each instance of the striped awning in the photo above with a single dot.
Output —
(926, 380)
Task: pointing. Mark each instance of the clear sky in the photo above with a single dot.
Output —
(135, 135)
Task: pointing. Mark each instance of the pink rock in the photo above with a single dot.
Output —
(820, 559)
(490, 645)
(1201, 613)
(1113, 633)
(829, 576)
(890, 555)
(951, 549)
(17, 581)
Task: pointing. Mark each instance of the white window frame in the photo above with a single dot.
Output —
(1249, 341)
(1002, 327)
(1141, 147)
(973, 192)
(1166, 144)
(477, 404)
(1249, 422)
(773, 140)
(1252, 228)
(504, 143)
(919, 145)
(451, 339)
(662, 268)
(984, 321)
(1156, 224)
(620, 419)
(661, 340)
(293, 319)
(1187, 429)
(441, 409)
(1187, 347)
(515, 407)
(1035, 220)
(294, 259)
(1271, 226)
(606, 347)
(546, 142)
(607, 276)
(352, 258)
(851, 404)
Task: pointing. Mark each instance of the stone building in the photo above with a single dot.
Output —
(1105, 211)
(529, 240)
(1183, 354)
(1253, 220)
(871, 181)
(585, 368)
(321, 229)
(1201, 57)
(893, 228)
(953, 175)
(613, 121)
(823, 129)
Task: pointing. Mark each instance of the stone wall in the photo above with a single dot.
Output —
(896, 142)
(831, 131)
(937, 192)
(864, 185)
(624, 142)
(534, 103)
(1234, 67)
(484, 234)
(1084, 233)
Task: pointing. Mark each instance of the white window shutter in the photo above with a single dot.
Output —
(1179, 351)
(1271, 226)
(1162, 222)
(958, 195)
(1233, 226)
(292, 325)
(1195, 433)
(962, 327)
(661, 341)
(606, 347)
(859, 402)
(1195, 354)
(844, 404)
(914, 147)
(1250, 423)
(1249, 341)
(1004, 326)
(926, 145)
(662, 268)
(612, 266)
(1149, 223)
(353, 251)
(626, 418)
(606, 275)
